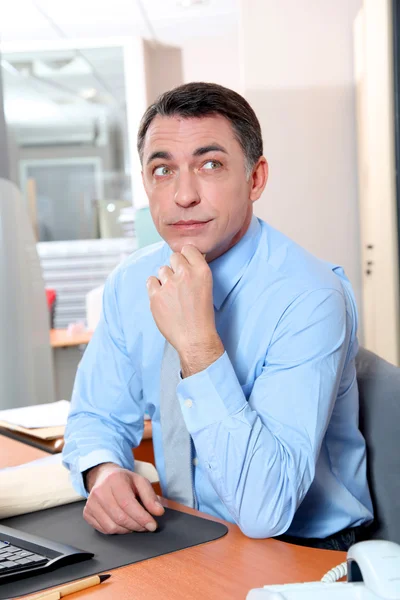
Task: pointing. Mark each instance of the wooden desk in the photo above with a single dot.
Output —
(60, 338)
(13, 453)
(222, 570)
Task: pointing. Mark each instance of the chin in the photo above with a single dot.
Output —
(177, 245)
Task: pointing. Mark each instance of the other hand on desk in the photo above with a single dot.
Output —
(120, 501)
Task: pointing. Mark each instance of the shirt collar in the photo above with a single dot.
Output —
(227, 269)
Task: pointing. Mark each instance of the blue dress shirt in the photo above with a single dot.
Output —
(274, 420)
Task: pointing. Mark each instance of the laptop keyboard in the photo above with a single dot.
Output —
(14, 558)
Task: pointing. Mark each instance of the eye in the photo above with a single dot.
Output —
(210, 165)
(161, 171)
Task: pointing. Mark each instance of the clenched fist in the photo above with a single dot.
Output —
(181, 302)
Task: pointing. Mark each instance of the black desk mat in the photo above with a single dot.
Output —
(177, 530)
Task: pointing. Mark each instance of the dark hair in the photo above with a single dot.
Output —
(194, 100)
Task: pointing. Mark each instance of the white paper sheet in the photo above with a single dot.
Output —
(39, 415)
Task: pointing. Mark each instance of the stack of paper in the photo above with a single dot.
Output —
(44, 422)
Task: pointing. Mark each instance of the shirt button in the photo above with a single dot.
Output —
(188, 403)
(195, 462)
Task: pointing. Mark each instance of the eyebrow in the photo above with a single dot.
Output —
(159, 154)
(210, 148)
(162, 154)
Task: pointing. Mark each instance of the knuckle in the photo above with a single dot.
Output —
(169, 284)
(205, 269)
(95, 495)
(114, 479)
(177, 259)
(185, 273)
(142, 483)
(138, 478)
(182, 269)
(125, 503)
(86, 514)
(120, 519)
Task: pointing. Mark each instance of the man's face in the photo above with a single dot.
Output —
(195, 178)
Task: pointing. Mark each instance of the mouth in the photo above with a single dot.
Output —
(190, 225)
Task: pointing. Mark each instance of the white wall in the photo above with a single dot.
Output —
(298, 75)
(214, 58)
(163, 68)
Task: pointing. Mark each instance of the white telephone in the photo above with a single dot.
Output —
(373, 573)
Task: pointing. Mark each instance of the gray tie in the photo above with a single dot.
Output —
(177, 443)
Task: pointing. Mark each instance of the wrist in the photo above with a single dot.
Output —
(196, 343)
(91, 475)
(199, 356)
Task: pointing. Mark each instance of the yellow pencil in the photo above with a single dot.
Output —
(70, 588)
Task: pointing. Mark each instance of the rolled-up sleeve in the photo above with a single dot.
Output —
(106, 416)
(260, 454)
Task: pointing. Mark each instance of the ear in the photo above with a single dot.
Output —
(258, 178)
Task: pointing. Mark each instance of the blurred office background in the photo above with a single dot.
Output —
(77, 77)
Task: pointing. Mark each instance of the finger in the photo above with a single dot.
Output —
(148, 497)
(178, 262)
(107, 522)
(144, 519)
(89, 518)
(96, 513)
(124, 508)
(193, 255)
(153, 285)
(165, 273)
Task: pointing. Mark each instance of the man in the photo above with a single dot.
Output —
(238, 343)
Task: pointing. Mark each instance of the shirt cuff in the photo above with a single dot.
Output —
(211, 395)
(97, 457)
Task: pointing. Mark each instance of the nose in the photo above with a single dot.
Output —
(186, 194)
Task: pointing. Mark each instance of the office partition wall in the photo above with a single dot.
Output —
(26, 372)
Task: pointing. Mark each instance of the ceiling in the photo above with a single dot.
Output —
(66, 85)
(167, 20)
(63, 85)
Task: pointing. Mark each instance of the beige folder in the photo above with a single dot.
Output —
(43, 433)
